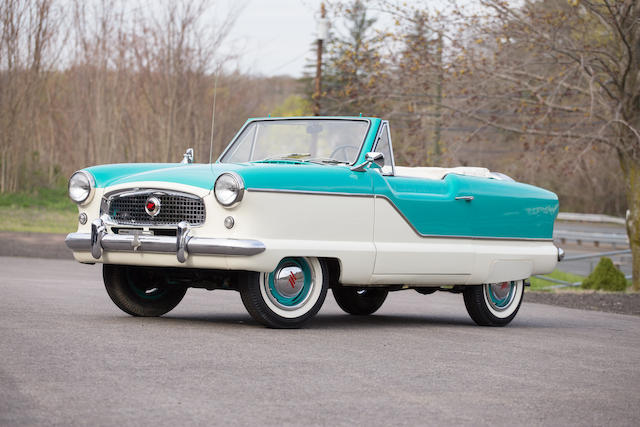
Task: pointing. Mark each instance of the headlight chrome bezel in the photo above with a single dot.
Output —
(90, 181)
(238, 189)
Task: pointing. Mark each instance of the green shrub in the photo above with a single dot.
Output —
(605, 277)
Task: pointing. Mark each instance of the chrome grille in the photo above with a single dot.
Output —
(128, 208)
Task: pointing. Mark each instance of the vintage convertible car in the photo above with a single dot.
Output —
(295, 206)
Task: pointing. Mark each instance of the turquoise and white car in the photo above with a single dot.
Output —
(295, 206)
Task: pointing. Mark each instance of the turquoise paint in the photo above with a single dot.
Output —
(306, 287)
(197, 175)
(499, 209)
(370, 139)
(300, 177)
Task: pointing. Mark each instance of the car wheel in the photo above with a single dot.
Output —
(494, 304)
(140, 291)
(288, 296)
(359, 301)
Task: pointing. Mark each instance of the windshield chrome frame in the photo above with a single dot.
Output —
(281, 119)
(384, 125)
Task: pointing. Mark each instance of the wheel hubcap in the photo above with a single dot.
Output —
(289, 284)
(500, 294)
(137, 283)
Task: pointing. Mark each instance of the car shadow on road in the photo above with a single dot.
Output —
(341, 321)
(324, 321)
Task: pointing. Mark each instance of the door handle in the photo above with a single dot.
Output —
(465, 198)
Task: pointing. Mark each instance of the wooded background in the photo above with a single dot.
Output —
(91, 82)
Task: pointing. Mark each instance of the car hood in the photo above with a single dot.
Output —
(287, 175)
(197, 175)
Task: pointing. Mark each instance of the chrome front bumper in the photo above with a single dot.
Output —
(182, 244)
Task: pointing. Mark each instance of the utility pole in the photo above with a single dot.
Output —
(437, 149)
(322, 34)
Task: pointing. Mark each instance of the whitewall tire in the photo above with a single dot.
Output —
(494, 304)
(288, 296)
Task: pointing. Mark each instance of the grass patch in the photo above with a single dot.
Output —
(46, 210)
(539, 284)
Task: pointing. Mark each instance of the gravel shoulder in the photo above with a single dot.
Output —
(622, 303)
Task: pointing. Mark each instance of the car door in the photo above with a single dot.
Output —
(421, 226)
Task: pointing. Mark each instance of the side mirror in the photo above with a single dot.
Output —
(187, 157)
(372, 158)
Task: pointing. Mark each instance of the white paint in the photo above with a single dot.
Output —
(440, 173)
(344, 228)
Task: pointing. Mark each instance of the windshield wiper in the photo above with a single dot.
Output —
(288, 156)
(327, 160)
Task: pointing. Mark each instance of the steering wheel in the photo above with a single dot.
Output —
(344, 150)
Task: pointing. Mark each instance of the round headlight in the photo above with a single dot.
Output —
(80, 185)
(229, 189)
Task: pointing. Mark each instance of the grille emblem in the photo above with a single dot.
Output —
(152, 206)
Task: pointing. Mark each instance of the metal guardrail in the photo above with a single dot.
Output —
(569, 216)
(565, 284)
(581, 236)
(596, 238)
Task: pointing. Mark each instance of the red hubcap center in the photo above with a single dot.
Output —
(292, 279)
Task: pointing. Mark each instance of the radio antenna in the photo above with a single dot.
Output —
(213, 116)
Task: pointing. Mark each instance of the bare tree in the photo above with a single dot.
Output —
(547, 86)
(571, 71)
(27, 35)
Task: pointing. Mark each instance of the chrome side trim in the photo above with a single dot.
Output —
(166, 244)
(230, 247)
(440, 236)
(315, 193)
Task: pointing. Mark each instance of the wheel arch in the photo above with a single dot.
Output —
(334, 267)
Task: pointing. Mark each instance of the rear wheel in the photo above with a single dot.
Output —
(288, 296)
(359, 301)
(141, 291)
(494, 304)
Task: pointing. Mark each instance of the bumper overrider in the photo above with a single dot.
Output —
(183, 244)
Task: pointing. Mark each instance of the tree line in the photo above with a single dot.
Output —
(85, 83)
(547, 91)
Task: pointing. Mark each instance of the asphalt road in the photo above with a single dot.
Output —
(70, 357)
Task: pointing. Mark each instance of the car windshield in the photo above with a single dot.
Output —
(329, 141)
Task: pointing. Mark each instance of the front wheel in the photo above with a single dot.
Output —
(494, 304)
(359, 301)
(141, 291)
(288, 296)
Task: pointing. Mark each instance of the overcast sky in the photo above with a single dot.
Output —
(275, 36)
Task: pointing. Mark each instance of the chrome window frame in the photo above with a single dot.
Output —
(384, 125)
(281, 119)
